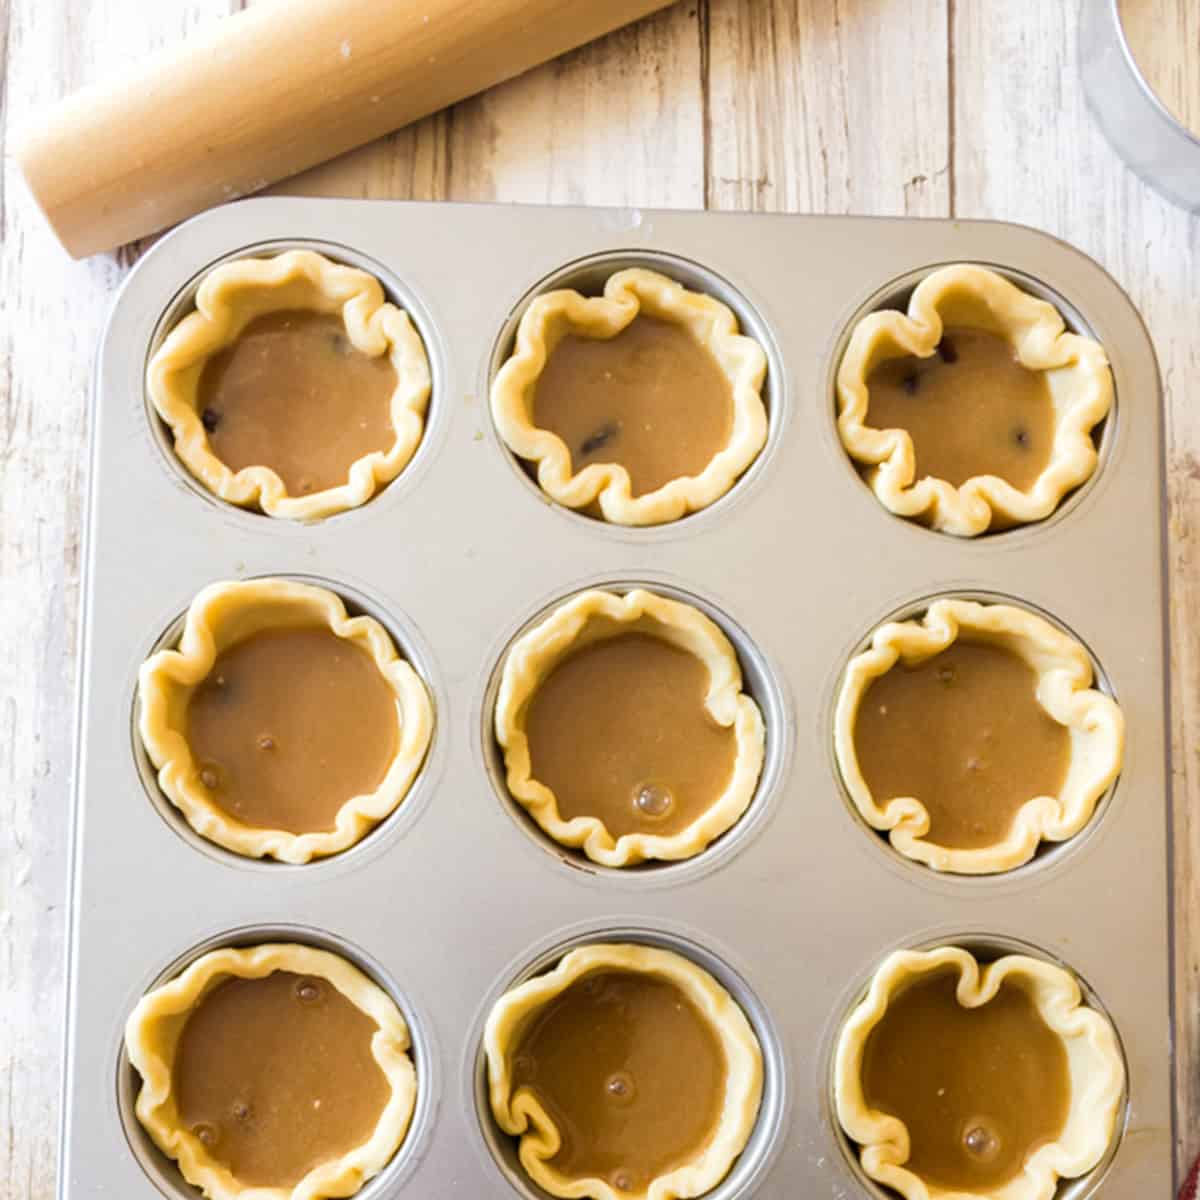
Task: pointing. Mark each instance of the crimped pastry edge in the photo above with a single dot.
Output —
(1064, 690)
(230, 296)
(521, 1115)
(1078, 375)
(626, 293)
(1095, 1063)
(535, 654)
(222, 613)
(151, 1038)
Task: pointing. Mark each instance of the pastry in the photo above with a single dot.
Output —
(976, 409)
(294, 386)
(587, 1065)
(644, 403)
(962, 1082)
(277, 1071)
(974, 733)
(625, 729)
(280, 726)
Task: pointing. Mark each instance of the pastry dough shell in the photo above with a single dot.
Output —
(551, 316)
(152, 1035)
(520, 1113)
(1076, 372)
(568, 628)
(225, 613)
(230, 297)
(1094, 1062)
(1064, 689)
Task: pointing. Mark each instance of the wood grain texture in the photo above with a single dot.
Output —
(926, 107)
(618, 121)
(830, 106)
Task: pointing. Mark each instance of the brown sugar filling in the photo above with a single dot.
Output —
(963, 733)
(652, 399)
(293, 394)
(971, 409)
(288, 725)
(630, 1073)
(275, 1076)
(618, 730)
(979, 1089)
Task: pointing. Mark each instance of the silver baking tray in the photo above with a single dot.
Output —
(457, 895)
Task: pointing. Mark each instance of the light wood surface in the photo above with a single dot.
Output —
(969, 108)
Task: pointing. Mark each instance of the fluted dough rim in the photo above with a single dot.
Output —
(1095, 1064)
(1077, 373)
(152, 1033)
(224, 613)
(714, 326)
(1064, 689)
(521, 1115)
(535, 654)
(233, 294)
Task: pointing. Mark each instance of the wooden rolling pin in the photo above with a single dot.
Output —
(273, 90)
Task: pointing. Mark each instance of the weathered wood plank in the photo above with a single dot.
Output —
(1026, 150)
(828, 106)
(614, 122)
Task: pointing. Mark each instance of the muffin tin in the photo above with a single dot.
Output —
(458, 895)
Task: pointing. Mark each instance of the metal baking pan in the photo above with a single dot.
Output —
(457, 895)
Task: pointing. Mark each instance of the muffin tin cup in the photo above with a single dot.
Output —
(1049, 855)
(163, 1172)
(765, 1139)
(408, 645)
(453, 896)
(759, 680)
(986, 947)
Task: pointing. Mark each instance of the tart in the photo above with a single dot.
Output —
(644, 403)
(967, 1083)
(278, 1071)
(625, 729)
(280, 726)
(587, 1063)
(975, 410)
(294, 386)
(973, 734)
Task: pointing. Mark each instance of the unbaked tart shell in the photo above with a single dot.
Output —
(1076, 371)
(223, 614)
(551, 316)
(568, 628)
(1064, 689)
(520, 1114)
(152, 1035)
(1094, 1063)
(230, 297)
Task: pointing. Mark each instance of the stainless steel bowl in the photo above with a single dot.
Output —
(1154, 143)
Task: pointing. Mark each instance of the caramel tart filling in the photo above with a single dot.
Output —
(630, 1073)
(979, 1089)
(275, 1076)
(288, 725)
(293, 394)
(618, 730)
(970, 408)
(651, 398)
(964, 734)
